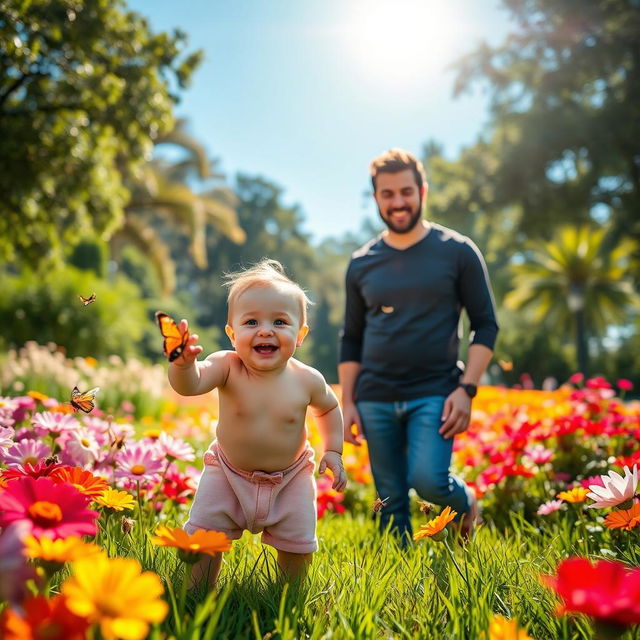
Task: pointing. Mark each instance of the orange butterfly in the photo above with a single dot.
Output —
(174, 340)
(89, 300)
(83, 401)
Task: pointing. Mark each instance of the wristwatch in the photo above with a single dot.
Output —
(470, 389)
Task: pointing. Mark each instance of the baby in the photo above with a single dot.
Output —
(258, 472)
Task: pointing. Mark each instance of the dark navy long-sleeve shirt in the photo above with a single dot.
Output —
(403, 312)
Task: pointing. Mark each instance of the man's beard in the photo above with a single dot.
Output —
(414, 219)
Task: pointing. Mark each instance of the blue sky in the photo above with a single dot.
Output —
(306, 93)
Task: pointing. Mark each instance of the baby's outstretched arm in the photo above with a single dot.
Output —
(326, 412)
(191, 378)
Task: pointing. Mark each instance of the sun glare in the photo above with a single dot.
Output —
(405, 41)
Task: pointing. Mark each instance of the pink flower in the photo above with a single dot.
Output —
(549, 507)
(79, 448)
(174, 449)
(14, 569)
(51, 422)
(52, 510)
(539, 454)
(139, 462)
(26, 452)
(624, 384)
(592, 480)
(576, 378)
(6, 437)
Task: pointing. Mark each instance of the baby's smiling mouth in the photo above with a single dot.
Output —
(265, 349)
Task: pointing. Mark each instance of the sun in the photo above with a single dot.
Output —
(405, 41)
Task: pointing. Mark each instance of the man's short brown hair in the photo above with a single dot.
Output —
(394, 161)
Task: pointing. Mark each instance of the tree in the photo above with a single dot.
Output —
(565, 90)
(161, 189)
(85, 88)
(574, 280)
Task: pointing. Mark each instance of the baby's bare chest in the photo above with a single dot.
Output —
(277, 403)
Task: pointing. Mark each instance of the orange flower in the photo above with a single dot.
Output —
(191, 546)
(437, 525)
(626, 519)
(502, 629)
(84, 481)
(36, 395)
(578, 494)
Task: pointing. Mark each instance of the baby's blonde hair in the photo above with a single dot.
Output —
(266, 273)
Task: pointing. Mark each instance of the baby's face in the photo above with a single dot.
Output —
(265, 327)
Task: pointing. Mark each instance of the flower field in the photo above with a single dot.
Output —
(91, 507)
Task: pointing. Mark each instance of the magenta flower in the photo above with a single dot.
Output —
(549, 507)
(139, 462)
(625, 385)
(51, 510)
(26, 452)
(577, 378)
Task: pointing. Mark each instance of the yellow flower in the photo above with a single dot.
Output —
(435, 526)
(578, 494)
(59, 551)
(113, 593)
(152, 434)
(115, 499)
(191, 546)
(625, 519)
(502, 629)
(92, 362)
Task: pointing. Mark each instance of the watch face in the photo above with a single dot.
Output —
(471, 389)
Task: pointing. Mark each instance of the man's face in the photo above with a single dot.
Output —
(399, 200)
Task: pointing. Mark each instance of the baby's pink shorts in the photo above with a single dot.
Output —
(281, 504)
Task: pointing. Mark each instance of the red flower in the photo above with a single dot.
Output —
(597, 383)
(607, 591)
(43, 619)
(39, 470)
(52, 510)
(328, 498)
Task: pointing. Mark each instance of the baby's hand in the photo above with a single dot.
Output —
(333, 460)
(191, 349)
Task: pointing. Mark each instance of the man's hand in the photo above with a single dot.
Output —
(333, 460)
(456, 413)
(351, 419)
(191, 349)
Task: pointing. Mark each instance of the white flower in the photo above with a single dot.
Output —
(616, 489)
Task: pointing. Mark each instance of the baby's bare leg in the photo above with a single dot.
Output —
(206, 571)
(294, 565)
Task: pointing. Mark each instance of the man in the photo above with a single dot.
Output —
(402, 386)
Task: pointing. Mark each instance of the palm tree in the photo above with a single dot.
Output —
(162, 188)
(576, 280)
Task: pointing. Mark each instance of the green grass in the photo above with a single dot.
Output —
(363, 585)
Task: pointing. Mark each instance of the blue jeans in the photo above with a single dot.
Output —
(406, 451)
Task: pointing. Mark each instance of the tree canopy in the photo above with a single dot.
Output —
(85, 88)
(565, 89)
